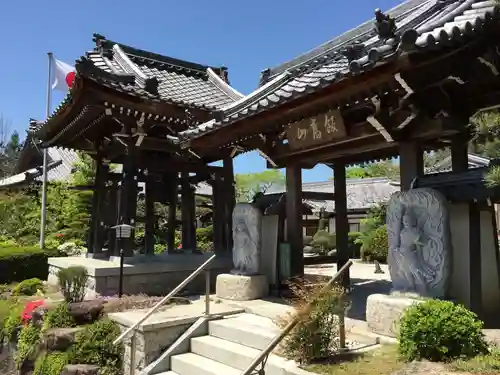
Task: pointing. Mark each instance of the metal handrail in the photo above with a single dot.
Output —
(176, 290)
(280, 336)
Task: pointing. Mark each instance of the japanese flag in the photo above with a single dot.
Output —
(63, 75)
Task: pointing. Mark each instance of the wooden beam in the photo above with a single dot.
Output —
(150, 219)
(341, 221)
(294, 225)
(172, 196)
(411, 163)
(316, 195)
(230, 194)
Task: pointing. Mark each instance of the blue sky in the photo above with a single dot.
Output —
(245, 36)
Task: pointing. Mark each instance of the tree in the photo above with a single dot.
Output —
(378, 169)
(486, 141)
(10, 149)
(249, 184)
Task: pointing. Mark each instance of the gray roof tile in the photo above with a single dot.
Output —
(178, 81)
(421, 24)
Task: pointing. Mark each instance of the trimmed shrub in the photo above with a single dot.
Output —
(439, 331)
(375, 246)
(204, 238)
(73, 283)
(323, 241)
(21, 263)
(94, 346)
(13, 319)
(354, 245)
(316, 336)
(51, 363)
(28, 287)
(205, 234)
(59, 317)
(27, 345)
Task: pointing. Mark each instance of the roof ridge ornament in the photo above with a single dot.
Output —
(385, 25)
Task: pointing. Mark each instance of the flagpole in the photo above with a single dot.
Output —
(43, 218)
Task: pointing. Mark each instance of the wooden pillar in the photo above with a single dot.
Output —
(128, 200)
(459, 153)
(230, 200)
(218, 220)
(171, 181)
(188, 214)
(112, 218)
(411, 163)
(150, 219)
(341, 221)
(100, 213)
(294, 219)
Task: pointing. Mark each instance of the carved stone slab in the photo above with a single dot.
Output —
(418, 229)
(247, 232)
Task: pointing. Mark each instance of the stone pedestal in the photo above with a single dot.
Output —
(152, 275)
(241, 288)
(383, 312)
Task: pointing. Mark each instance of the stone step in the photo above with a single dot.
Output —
(194, 364)
(246, 329)
(168, 373)
(235, 355)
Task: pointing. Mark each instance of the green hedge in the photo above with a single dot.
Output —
(20, 263)
(354, 246)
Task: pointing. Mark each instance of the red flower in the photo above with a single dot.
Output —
(30, 308)
(59, 235)
(180, 246)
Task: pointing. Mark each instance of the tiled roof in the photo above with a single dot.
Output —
(420, 24)
(59, 167)
(361, 193)
(157, 77)
(474, 161)
(152, 77)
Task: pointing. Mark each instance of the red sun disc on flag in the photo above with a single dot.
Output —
(70, 78)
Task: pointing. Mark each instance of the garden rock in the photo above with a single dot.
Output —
(308, 249)
(332, 253)
(87, 311)
(80, 370)
(59, 339)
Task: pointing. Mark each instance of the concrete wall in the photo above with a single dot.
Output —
(461, 277)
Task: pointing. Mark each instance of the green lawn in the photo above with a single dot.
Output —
(385, 361)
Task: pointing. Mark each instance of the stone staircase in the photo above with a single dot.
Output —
(230, 346)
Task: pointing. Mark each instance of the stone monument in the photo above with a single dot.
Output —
(245, 281)
(419, 258)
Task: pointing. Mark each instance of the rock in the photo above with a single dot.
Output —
(87, 311)
(308, 249)
(332, 252)
(241, 288)
(59, 338)
(80, 370)
(383, 312)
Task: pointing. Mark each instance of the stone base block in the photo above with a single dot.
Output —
(241, 288)
(383, 312)
(154, 275)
